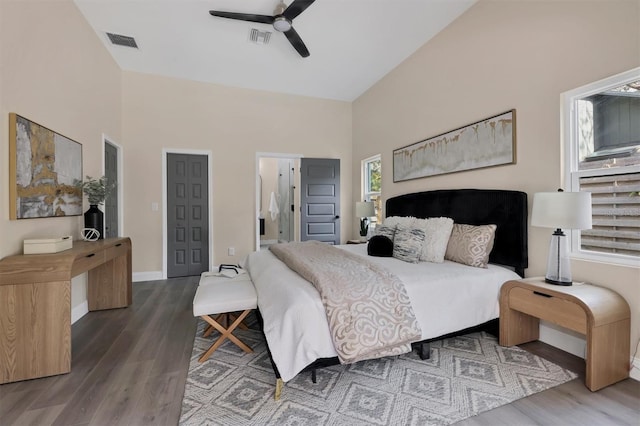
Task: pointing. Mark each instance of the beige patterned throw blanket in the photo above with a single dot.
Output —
(368, 309)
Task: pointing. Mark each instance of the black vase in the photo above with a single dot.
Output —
(94, 218)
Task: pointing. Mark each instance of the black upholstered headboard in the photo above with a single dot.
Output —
(506, 209)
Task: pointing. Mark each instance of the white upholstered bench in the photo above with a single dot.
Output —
(222, 295)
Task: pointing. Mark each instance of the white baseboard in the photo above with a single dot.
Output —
(635, 369)
(576, 345)
(562, 338)
(147, 276)
(79, 311)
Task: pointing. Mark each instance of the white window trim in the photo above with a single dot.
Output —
(570, 162)
(364, 195)
(363, 175)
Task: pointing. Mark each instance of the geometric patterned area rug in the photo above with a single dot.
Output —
(464, 377)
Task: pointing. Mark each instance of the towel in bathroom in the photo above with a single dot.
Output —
(273, 207)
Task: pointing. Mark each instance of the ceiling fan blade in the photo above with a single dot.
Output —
(296, 8)
(297, 42)
(263, 19)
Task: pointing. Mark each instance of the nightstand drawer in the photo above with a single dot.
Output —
(540, 305)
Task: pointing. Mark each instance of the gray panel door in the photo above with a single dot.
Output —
(111, 203)
(320, 200)
(187, 215)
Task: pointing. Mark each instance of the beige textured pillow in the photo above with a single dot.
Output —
(437, 232)
(471, 245)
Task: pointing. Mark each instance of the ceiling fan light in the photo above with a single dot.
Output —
(282, 24)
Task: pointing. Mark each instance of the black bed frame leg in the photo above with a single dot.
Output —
(313, 376)
(424, 350)
(279, 381)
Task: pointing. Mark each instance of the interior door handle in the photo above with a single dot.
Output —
(337, 216)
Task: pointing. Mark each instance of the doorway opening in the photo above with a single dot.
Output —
(277, 198)
(112, 170)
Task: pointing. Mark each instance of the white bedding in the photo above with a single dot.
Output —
(446, 297)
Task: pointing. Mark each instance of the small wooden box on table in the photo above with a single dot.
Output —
(35, 303)
(602, 315)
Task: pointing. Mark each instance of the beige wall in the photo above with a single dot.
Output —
(161, 113)
(54, 71)
(497, 56)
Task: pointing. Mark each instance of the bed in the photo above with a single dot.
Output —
(454, 299)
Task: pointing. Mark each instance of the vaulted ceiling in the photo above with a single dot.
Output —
(352, 43)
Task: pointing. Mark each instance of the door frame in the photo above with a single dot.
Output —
(258, 190)
(209, 154)
(119, 157)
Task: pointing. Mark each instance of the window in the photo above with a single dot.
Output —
(372, 184)
(601, 124)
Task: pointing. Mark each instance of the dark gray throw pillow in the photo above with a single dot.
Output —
(380, 246)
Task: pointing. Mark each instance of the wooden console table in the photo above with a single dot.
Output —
(35, 303)
(597, 312)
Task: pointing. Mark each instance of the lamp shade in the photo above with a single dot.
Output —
(365, 209)
(562, 210)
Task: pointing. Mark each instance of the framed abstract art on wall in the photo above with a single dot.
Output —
(486, 143)
(42, 168)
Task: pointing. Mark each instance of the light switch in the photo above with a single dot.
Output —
(154, 207)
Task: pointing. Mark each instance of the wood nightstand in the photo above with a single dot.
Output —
(602, 315)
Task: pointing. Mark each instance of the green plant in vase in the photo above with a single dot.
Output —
(96, 189)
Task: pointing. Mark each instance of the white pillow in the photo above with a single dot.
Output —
(394, 221)
(437, 231)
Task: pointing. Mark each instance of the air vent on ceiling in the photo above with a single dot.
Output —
(122, 40)
(259, 37)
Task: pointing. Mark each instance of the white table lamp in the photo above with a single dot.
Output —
(364, 210)
(568, 210)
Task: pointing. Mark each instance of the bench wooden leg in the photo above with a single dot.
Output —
(225, 334)
(207, 331)
(242, 325)
(224, 320)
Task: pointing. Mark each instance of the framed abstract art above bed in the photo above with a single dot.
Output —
(485, 143)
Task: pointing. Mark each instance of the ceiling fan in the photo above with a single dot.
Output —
(281, 21)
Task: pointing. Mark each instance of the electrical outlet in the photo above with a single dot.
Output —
(231, 251)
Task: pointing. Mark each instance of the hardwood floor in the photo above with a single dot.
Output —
(129, 367)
